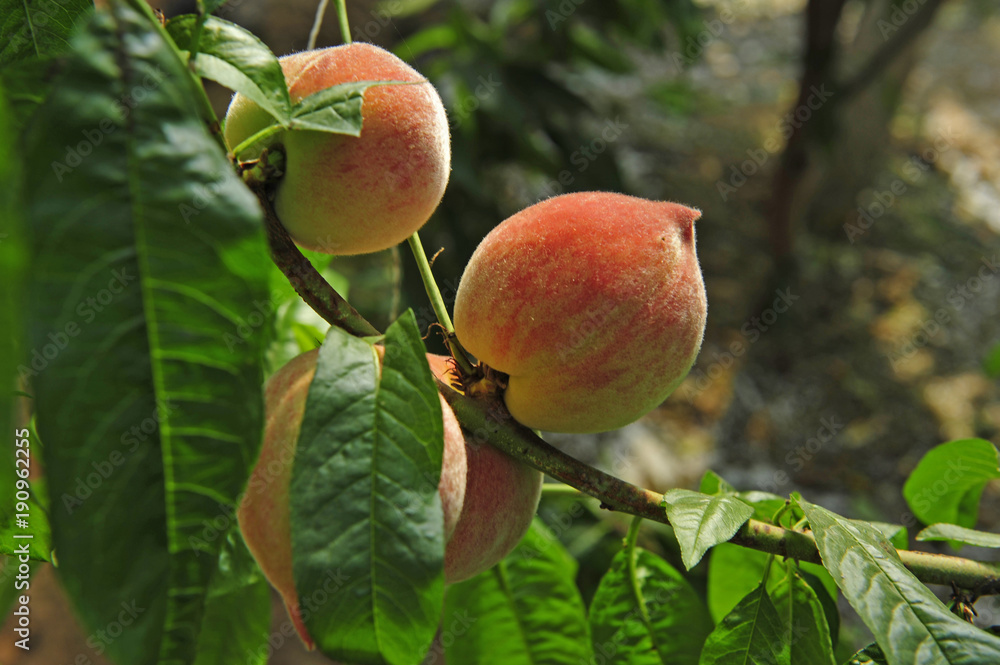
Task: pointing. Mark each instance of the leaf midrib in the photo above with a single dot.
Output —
(31, 27)
(500, 572)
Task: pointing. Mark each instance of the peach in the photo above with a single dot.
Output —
(342, 194)
(488, 499)
(501, 496)
(593, 304)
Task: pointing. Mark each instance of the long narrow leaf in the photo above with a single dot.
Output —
(364, 500)
(908, 621)
(654, 618)
(751, 633)
(37, 28)
(147, 251)
(526, 610)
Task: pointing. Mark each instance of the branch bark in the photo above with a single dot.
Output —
(306, 280)
(489, 422)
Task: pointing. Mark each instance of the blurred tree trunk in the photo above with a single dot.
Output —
(840, 147)
(806, 124)
(870, 102)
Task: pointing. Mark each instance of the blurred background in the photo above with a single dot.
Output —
(846, 158)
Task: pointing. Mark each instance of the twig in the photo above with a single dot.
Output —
(437, 303)
(306, 280)
(490, 422)
(317, 23)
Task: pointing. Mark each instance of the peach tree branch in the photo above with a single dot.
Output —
(306, 280)
(489, 421)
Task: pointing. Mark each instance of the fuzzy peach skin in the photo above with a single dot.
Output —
(488, 498)
(593, 303)
(501, 497)
(353, 195)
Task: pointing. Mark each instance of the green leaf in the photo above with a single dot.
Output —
(735, 571)
(701, 521)
(147, 251)
(306, 336)
(26, 86)
(16, 443)
(526, 610)
(765, 504)
(364, 499)
(336, 110)
(960, 534)
(38, 28)
(24, 524)
(659, 620)
(234, 57)
(894, 533)
(211, 5)
(751, 633)
(907, 619)
(713, 483)
(804, 619)
(870, 655)
(237, 618)
(991, 363)
(9, 582)
(948, 481)
(827, 596)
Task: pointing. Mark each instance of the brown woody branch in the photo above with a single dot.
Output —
(489, 421)
(306, 280)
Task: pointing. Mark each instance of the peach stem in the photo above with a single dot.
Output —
(437, 302)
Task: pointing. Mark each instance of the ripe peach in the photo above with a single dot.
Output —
(353, 195)
(501, 496)
(593, 303)
(488, 498)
